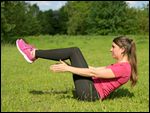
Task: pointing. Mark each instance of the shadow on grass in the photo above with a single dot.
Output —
(35, 92)
(61, 93)
(119, 93)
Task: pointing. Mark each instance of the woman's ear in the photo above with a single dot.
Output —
(122, 50)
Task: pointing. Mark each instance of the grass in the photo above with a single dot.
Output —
(32, 87)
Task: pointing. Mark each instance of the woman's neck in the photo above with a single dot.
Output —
(123, 59)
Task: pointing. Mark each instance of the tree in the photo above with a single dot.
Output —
(77, 14)
(6, 25)
(46, 21)
(105, 17)
(19, 18)
(143, 19)
(63, 19)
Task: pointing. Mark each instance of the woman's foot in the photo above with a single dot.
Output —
(26, 50)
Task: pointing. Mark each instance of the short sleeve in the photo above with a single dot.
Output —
(119, 70)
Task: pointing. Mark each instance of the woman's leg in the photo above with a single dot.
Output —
(84, 86)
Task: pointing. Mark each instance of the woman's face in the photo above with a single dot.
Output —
(116, 51)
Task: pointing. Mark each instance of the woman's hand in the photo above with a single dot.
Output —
(62, 67)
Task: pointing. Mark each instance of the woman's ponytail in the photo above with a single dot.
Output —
(133, 62)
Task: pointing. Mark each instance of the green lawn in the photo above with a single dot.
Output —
(32, 87)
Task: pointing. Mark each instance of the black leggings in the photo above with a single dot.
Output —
(84, 87)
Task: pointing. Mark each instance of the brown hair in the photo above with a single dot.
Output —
(130, 51)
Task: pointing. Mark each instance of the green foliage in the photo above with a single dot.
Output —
(77, 15)
(19, 18)
(46, 20)
(6, 26)
(143, 20)
(106, 17)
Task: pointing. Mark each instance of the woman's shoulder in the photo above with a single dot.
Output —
(121, 69)
(125, 65)
(121, 64)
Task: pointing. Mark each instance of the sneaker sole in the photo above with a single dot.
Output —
(25, 56)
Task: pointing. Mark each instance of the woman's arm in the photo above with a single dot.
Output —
(87, 72)
(98, 68)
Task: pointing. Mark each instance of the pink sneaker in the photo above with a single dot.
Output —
(26, 50)
(25, 43)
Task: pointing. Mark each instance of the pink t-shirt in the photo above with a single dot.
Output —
(122, 72)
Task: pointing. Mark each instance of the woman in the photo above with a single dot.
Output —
(91, 83)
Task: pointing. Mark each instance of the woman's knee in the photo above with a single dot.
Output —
(75, 49)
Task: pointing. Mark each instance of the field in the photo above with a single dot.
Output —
(33, 87)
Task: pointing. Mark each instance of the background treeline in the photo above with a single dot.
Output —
(19, 18)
